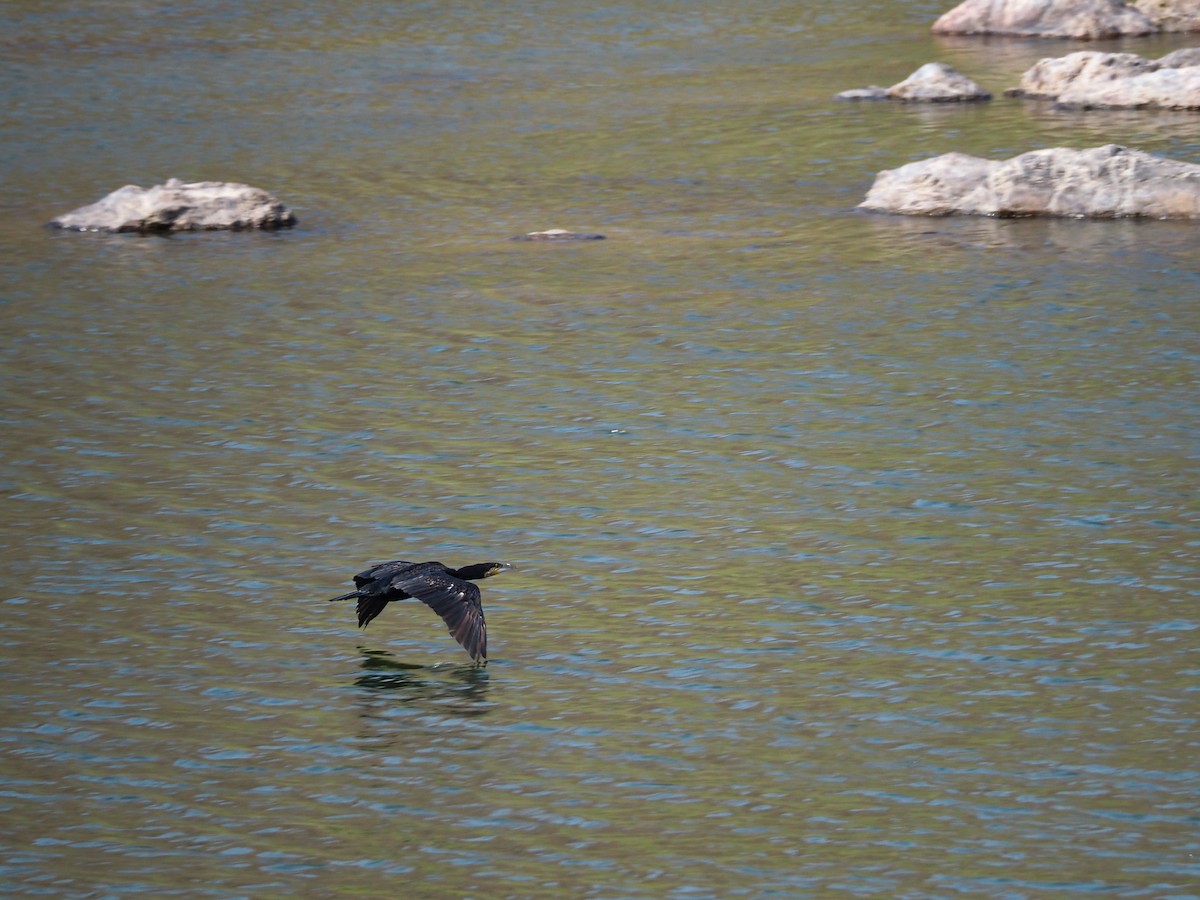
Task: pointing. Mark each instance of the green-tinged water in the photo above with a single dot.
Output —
(855, 555)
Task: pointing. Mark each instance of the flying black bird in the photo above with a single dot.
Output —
(447, 591)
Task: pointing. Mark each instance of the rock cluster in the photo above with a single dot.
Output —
(180, 206)
(1109, 181)
(1103, 182)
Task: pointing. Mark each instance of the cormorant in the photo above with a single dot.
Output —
(449, 592)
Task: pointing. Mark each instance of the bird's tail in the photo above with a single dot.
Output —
(368, 607)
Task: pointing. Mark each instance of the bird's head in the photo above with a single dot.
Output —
(495, 568)
(482, 570)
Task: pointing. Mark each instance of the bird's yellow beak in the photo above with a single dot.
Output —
(498, 568)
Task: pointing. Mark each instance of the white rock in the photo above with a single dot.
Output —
(1092, 79)
(179, 206)
(931, 187)
(1083, 19)
(1165, 88)
(1050, 77)
(1103, 182)
(937, 82)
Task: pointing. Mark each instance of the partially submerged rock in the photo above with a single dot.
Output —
(934, 82)
(1103, 182)
(930, 187)
(1081, 19)
(1050, 77)
(873, 92)
(1092, 79)
(1164, 89)
(180, 206)
(937, 82)
(558, 234)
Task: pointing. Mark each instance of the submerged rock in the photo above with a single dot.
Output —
(1103, 182)
(1082, 19)
(180, 206)
(934, 82)
(558, 234)
(1092, 79)
(873, 92)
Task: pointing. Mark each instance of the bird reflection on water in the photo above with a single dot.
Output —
(447, 690)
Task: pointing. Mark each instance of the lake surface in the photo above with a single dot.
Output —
(855, 555)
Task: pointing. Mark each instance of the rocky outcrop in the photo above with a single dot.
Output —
(934, 82)
(1103, 182)
(1091, 79)
(180, 206)
(1081, 19)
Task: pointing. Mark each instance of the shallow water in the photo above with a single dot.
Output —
(854, 554)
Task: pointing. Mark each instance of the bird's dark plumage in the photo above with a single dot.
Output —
(448, 592)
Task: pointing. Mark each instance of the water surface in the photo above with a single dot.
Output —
(855, 554)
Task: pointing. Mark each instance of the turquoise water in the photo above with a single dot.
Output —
(854, 554)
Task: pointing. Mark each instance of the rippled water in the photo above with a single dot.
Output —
(854, 554)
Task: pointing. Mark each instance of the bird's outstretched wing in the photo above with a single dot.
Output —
(457, 601)
(382, 570)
